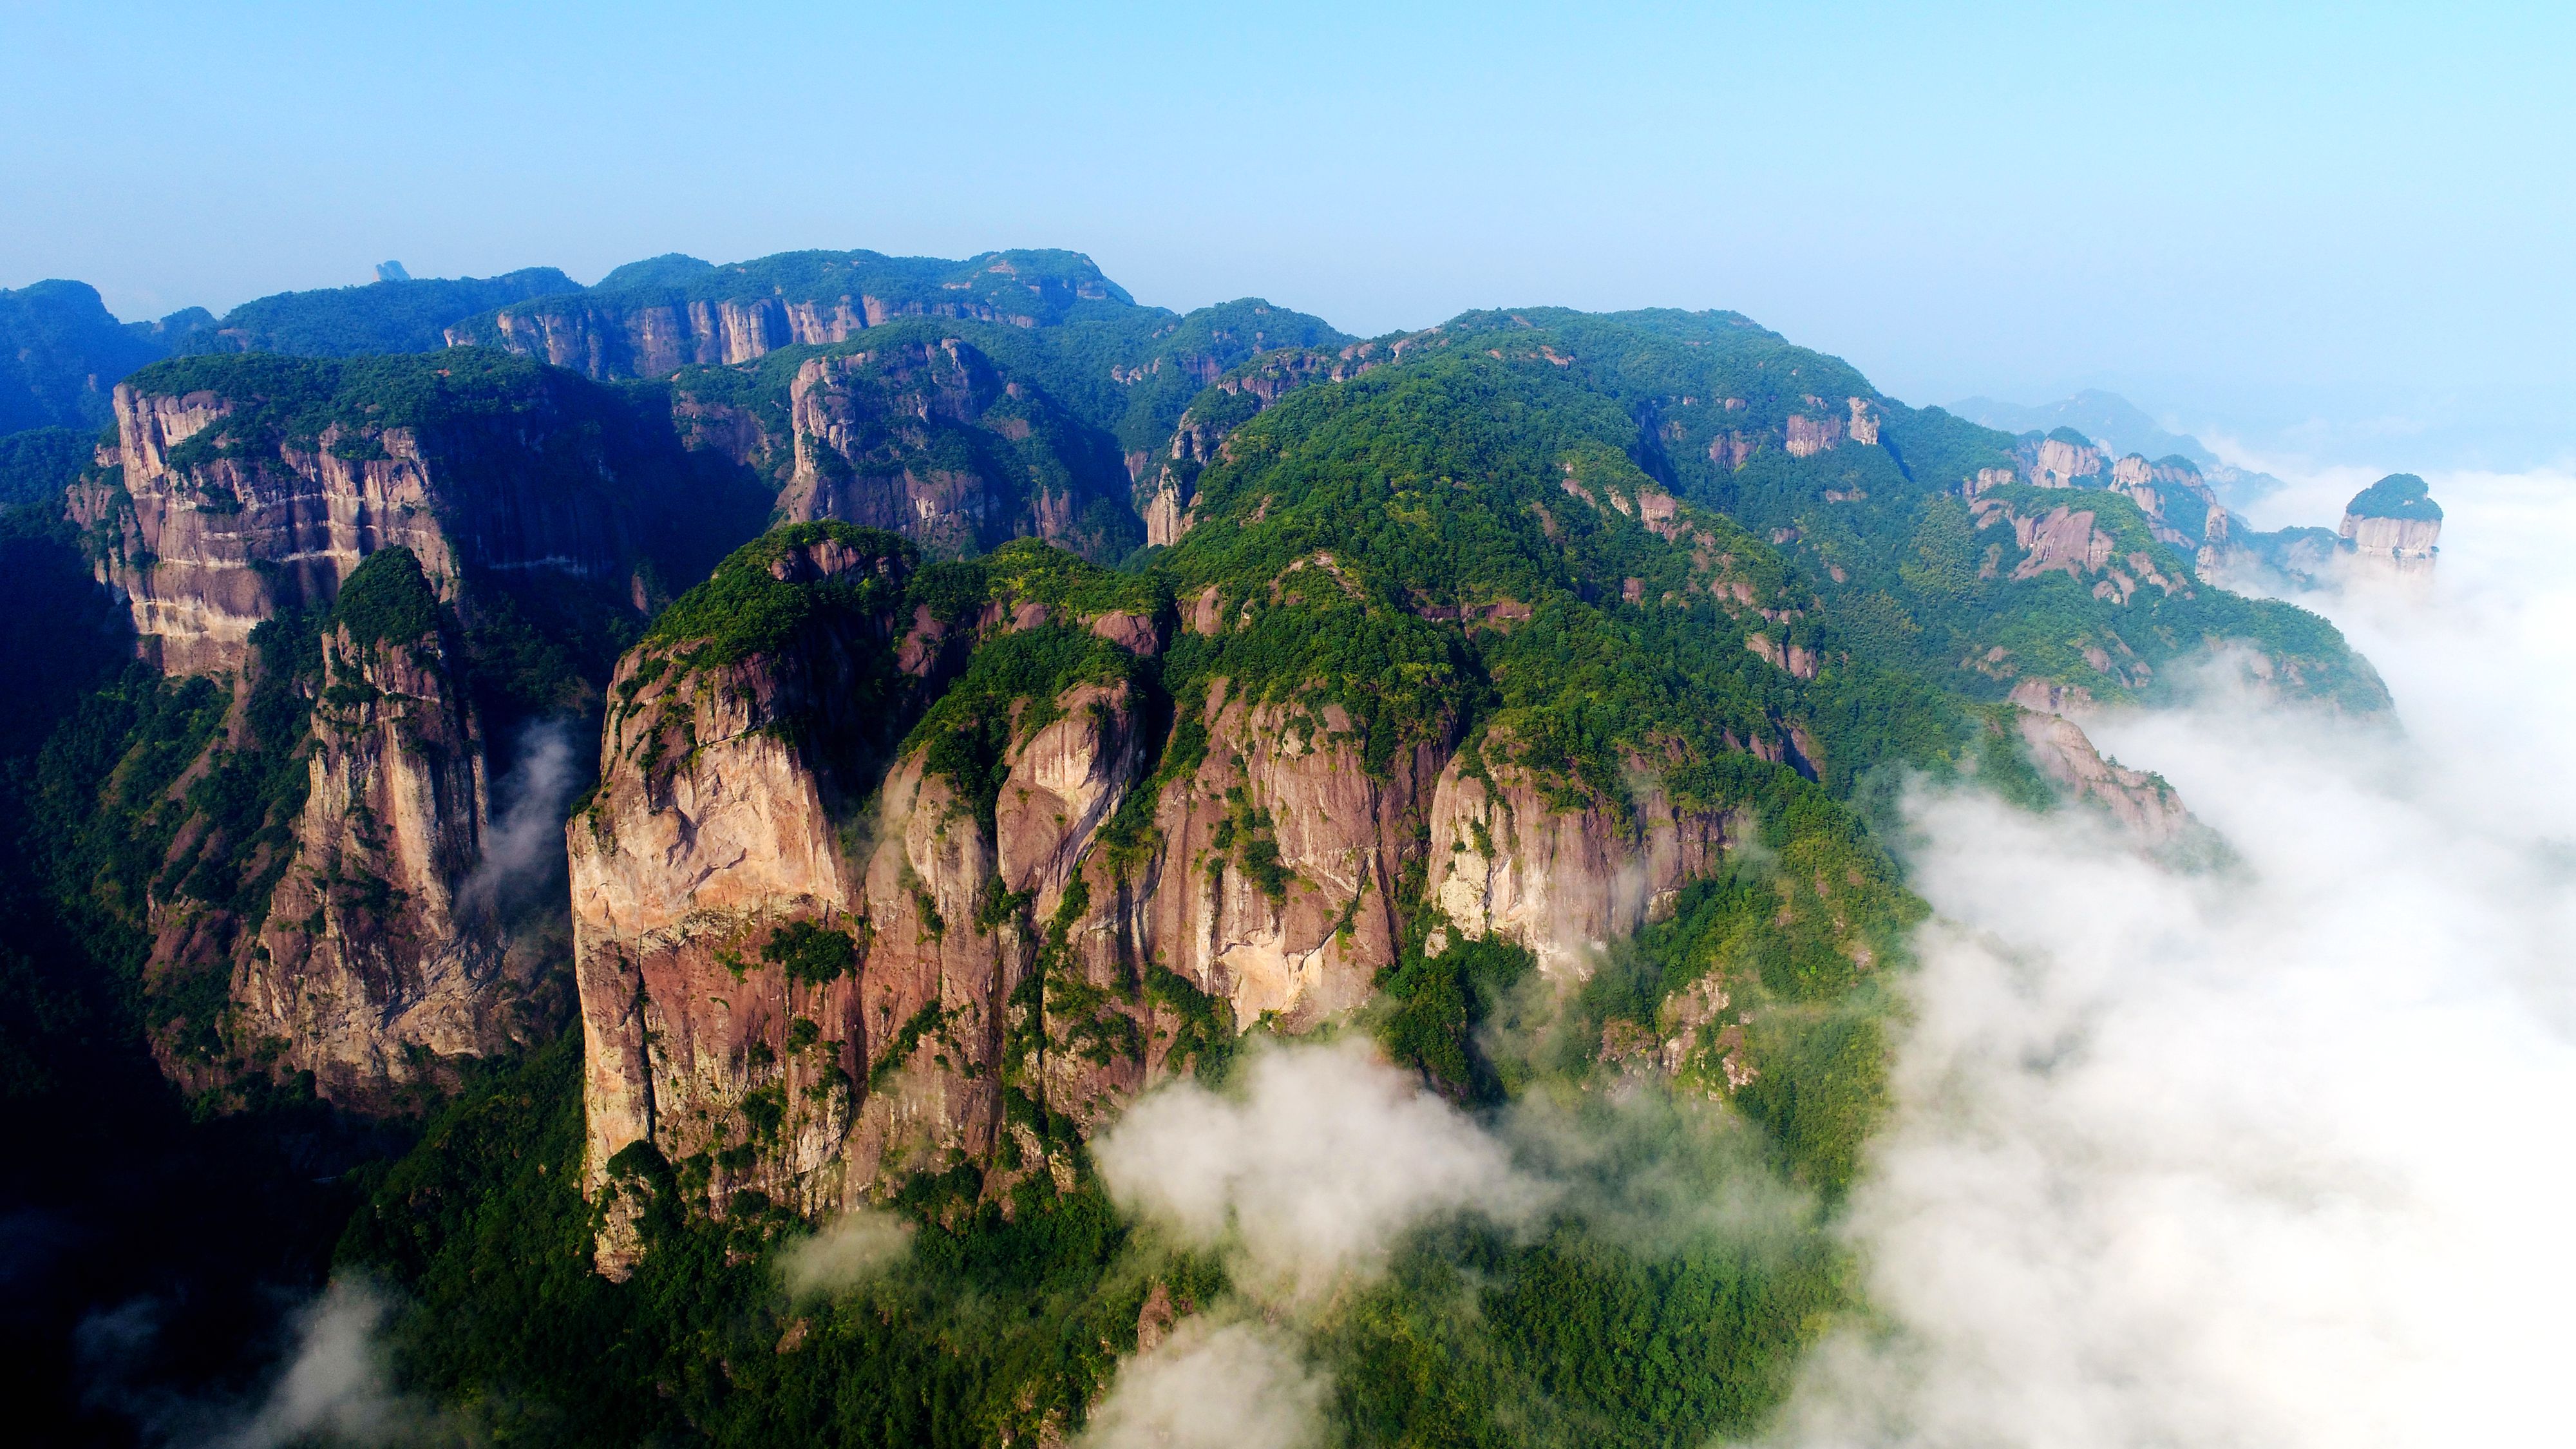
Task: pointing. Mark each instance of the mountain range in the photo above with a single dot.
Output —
(2118, 425)
(577, 788)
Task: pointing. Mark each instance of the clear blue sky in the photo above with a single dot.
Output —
(2357, 215)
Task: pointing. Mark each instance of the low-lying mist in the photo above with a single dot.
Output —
(2269, 1156)
(1349, 1203)
(523, 848)
(334, 1385)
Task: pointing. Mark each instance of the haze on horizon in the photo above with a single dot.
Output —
(2318, 235)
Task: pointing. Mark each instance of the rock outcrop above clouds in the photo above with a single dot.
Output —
(922, 840)
(2143, 804)
(2393, 526)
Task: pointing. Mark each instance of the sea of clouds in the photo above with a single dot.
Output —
(2261, 1155)
(2275, 1155)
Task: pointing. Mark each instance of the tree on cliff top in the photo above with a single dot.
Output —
(2399, 495)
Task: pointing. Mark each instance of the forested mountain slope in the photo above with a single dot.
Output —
(407, 314)
(998, 700)
(60, 355)
(66, 354)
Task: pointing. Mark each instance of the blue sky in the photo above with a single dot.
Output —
(2338, 230)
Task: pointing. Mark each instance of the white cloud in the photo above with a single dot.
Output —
(524, 846)
(338, 1387)
(2266, 1159)
(1313, 1170)
(1211, 1386)
(851, 1249)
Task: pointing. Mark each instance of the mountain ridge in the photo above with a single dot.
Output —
(2121, 426)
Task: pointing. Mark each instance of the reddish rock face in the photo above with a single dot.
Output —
(2062, 539)
(1306, 940)
(207, 552)
(1807, 436)
(969, 970)
(1026, 943)
(1504, 861)
(995, 964)
(2071, 540)
(374, 960)
(927, 439)
(797, 962)
(617, 337)
(2052, 463)
(2143, 804)
(367, 968)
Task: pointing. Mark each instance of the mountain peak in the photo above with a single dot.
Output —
(2399, 495)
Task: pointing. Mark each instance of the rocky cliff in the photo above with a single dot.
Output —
(2393, 526)
(2157, 611)
(2062, 459)
(334, 542)
(2181, 510)
(653, 323)
(381, 955)
(1453, 659)
(925, 436)
(2142, 804)
(1506, 860)
(1096, 853)
(322, 909)
(608, 338)
(244, 487)
(890, 427)
(715, 906)
(2390, 533)
(2082, 544)
(809, 943)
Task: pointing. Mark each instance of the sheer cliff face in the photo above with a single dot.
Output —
(996, 955)
(931, 441)
(2400, 548)
(723, 827)
(1505, 861)
(249, 490)
(925, 437)
(611, 339)
(377, 957)
(800, 958)
(209, 552)
(810, 298)
(2056, 463)
(624, 337)
(984, 957)
(2180, 508)
(209, 542)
